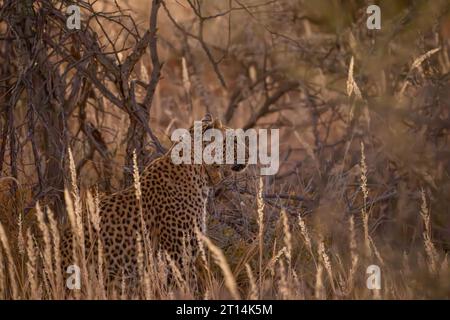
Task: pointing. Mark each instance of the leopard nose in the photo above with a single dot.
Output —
(238, 167)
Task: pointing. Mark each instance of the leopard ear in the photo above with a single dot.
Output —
(207, 119)
(217, 124)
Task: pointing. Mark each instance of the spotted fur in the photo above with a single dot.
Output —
(173, 203)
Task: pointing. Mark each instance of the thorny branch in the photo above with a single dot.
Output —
(71, 67)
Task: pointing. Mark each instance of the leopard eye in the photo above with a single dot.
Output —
(238, 167)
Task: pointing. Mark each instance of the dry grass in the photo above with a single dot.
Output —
(322, 273)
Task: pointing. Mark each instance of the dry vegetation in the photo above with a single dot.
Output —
(363, 117)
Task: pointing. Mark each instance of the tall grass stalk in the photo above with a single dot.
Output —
(260, 206)
(365, 193)
(428, 243)
(11, 266)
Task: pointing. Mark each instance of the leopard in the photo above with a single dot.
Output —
(172, 207)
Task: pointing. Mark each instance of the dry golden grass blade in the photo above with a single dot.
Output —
(221, 261)
(143, 275)
(325, 259)
(31, 266)
(430, 249)
(11, 266)
(319, 290)
(100, 269)
(136, 178)
(260, 206)
(76, 198)
(416, 64)
(350, 77)
(2, 276)
(253, 294)
(353, 254)
(94, 209)
(47, 253)
(142, 239)
(178, 277)
(275, 257)
(305, 233)
(46, 289)
(161, 274)
(185, 74)
(283, 286)
(78, 256)
(3, 284)
(20, 239)
(201, 248)
(144, 74)
(424, 57)
(95, 219)
(352, 86)
(376, 252)
(287, 237)
(365, 192)
(57, 255)
(138, 193)
(123, 287)
(77, 224)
